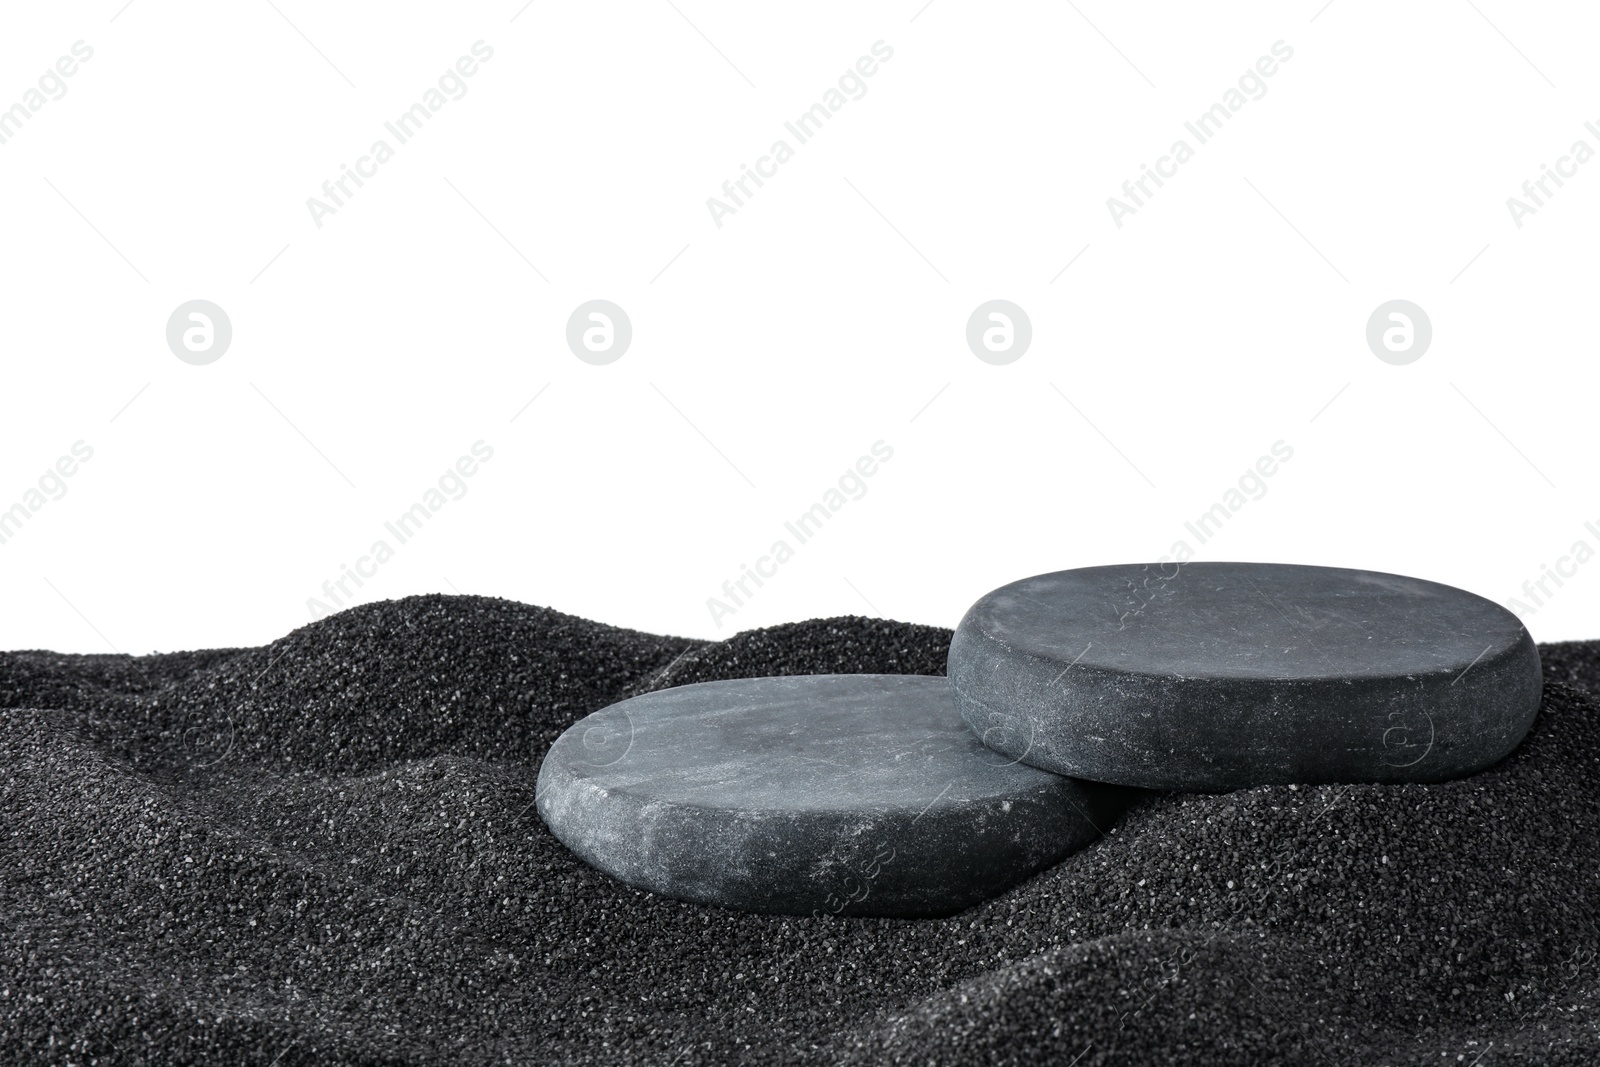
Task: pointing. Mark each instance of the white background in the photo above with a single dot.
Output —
(768, 354)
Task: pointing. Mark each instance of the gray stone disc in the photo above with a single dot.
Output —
(838, 794)
(1209, 677)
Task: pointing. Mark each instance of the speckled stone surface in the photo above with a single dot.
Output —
(818, 794)
(1209, 677)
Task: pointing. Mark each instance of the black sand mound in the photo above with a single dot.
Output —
(325, 851)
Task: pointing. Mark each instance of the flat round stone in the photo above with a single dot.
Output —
(1209, 677)
(845, 794)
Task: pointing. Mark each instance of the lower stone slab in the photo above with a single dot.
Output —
(817, 794)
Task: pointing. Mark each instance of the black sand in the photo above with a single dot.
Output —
(324, 851)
